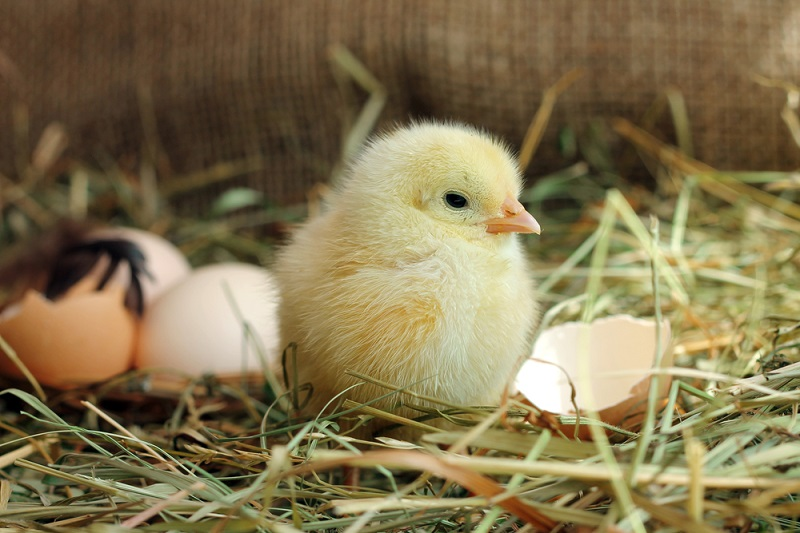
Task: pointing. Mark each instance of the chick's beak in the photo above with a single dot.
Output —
(514, 220)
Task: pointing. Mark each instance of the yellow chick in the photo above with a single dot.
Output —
(413, 274)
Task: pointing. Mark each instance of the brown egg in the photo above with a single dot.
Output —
(84, 337)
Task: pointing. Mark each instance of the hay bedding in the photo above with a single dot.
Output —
(217, 455)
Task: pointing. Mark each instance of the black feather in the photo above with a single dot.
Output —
(75, 262)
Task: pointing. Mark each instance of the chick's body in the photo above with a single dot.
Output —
(412, 275)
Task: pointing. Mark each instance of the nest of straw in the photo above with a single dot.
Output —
(716, 253)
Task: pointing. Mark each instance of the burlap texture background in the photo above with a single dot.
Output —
(229, 79)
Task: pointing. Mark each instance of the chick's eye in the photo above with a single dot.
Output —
(455, 200)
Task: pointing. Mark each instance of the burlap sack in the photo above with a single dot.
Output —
(210, 81)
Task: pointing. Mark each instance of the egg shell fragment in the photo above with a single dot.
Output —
(620, 351)
(195, 327)
(85, 337)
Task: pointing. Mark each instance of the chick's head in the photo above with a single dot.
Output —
(450, 179)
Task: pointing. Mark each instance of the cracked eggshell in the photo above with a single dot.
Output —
(84, 337)
(621, 352)
(194, 327)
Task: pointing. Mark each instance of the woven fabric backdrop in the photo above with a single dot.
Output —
(229, 79)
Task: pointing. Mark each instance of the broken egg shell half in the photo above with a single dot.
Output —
(85, 337)
(620, 351)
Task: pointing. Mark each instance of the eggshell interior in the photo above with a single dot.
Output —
(85, 337)
(194, 326)
(620, 351)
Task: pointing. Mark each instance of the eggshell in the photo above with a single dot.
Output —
(84, 337)
(194, 326)
(163, 260)
(620, 351)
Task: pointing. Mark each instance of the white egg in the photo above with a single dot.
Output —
(221, 319)
(166, 264)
